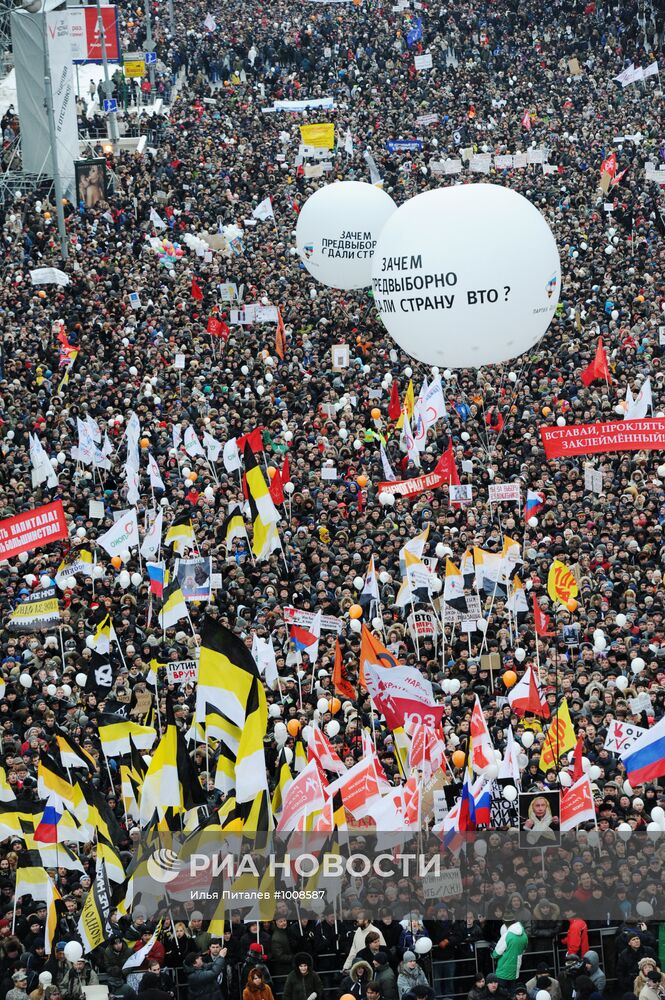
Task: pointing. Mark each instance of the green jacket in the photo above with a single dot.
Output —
(508, 964)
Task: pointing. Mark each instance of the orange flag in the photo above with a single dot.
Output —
(280, 336)
(341, 682)
(373, 651)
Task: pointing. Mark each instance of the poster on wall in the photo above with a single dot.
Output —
(91, 182)
(85, 36)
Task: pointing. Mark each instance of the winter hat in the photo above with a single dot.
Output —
(542, 982)
(381, 958)
(491, 978)
(646, 961)
(653, 976)
(45, 979)
(409, 956)
(256, 948)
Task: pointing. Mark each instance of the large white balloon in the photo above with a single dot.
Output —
(337, 231)
(73, 951)
(466, 276)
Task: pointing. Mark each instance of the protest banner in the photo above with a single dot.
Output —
(31, 529)
(294, 616)
(621, 736)
(182, 671)
(591, 439)
(504, 492)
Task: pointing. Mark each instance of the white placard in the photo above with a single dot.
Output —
(340, 355)
(215, 581)
(181, 671)
(423, 62)
(460, 494)
(641, 703)
(179, 362)
(96, 509)
(621, 736)
(508, 492)
(328, 472)
(442, 886)
(440, 805)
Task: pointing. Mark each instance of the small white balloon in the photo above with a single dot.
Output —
(355, 625)
(533, 522)
(25, 680)
(644, 909)
(622, 683)
(561, 421)
(637, 665)
(124, 579)
(491, 772)
(658, 815)
(137, 579)
(307, 733)
(586, 764)
(45, 580)
(23, 557)
(542, 995)
(376, 623)
(73, 951)
(624, 830)
(274, 711)
(527, 739)
(125, 555)
(520, 654)
(509, 793)
(332, 729)
(600, 644)
(480, 848)
(51, 690)
(322, 704)
(653, 831)
(594, 772)
(565, 779)
(423, 946)
(358, 582)
(81, 680)
(621, 619)
(97, 572)
(522, 760)
(80, 532)
(454, 686)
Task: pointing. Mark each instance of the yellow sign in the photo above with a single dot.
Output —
(561, 584)
(134, 67)
(322, 135)
(559, 739)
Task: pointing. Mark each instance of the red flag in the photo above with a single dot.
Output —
(280, 336)
(578, 770)
(394, 408)
(541, 620)
(196, 291)
(216, 328)
(526, 696)
(598, 367)
(526, 121)
(609, 166)
(446, 467)
(340, 678)
(286, 470)
(254, 439)
(276, 488)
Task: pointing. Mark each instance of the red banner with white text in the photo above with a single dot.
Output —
(592, 439)
(33, 528)
(439, 476)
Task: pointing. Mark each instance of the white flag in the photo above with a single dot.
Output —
(348, 143)
(137, 958)
(231, 455)
(374, 175)
(123, 535)
(192, 444)
(263, 211)
(409, 440)
(210, 24)
(641, 403)
(212, 447)
(387, 470)
(626, 76)
(157, 222)
(156, 481)
(651, 70)
(150, 546)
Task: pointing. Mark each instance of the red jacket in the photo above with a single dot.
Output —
(577, 938)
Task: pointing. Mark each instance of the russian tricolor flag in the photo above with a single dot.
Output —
(156, 573)
(534, 503)
(645, 761)
(46, 832)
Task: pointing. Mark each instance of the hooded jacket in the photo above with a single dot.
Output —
(353, 983)
(509, 950)
(596, 974)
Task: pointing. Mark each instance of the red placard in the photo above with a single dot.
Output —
(591, 439)
(31, 529)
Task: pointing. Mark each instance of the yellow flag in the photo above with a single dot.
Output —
(561, 584)
(321, 135)
(559, 739)
(408, 405)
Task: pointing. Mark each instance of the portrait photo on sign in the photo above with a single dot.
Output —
(91, 182)
(539, 819)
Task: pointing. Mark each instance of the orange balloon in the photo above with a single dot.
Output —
(145, 443)
(334, 705)
(41, 294)
(293, 727)
(572, 604)
(546, 411)
(192, 476)
(116, 562)
(362, 481)
(509, 678)
(272, 471)
(47, 215)
(376, 413)
(458, 758)
(355, 611)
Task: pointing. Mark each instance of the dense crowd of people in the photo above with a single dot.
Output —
(501, 81)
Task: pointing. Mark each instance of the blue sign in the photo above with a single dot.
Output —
(111, 105)
(394, 145)
(415, 32)
(150, 57)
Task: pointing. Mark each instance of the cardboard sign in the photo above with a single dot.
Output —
(622, 736)
(641, 703)
(96, 509)
(442, 886)
(341, 357)
(504, 492)
(422, 625)
(423, 62)
(294, 616)
(490, 661)
(182, 671)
